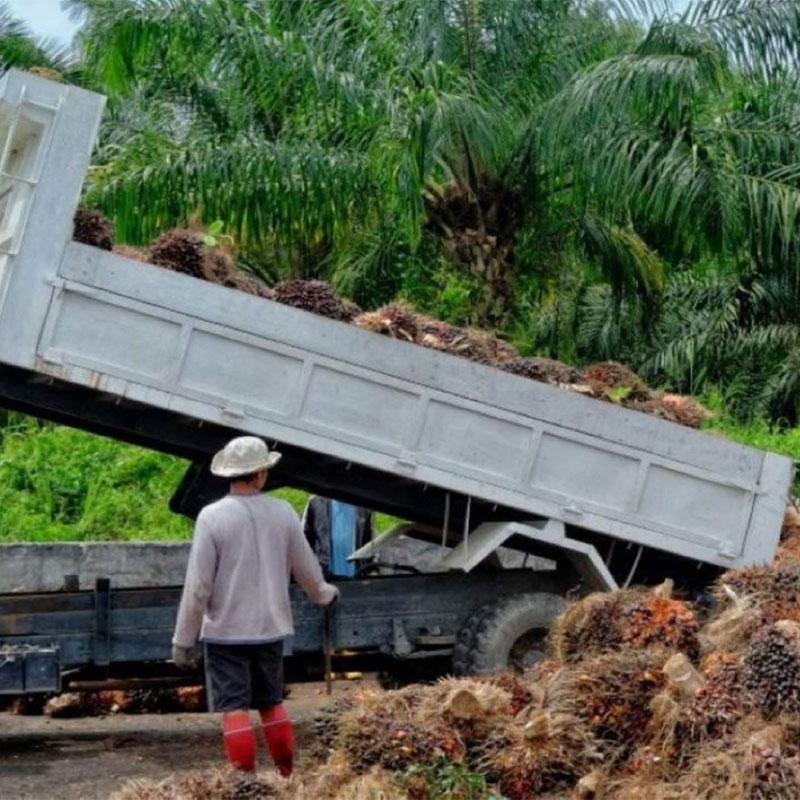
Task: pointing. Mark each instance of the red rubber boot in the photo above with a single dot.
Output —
(239, 740)
(279, 733)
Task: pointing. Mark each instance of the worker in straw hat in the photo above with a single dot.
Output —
(236, 598)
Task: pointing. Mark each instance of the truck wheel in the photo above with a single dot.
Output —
(507, 635)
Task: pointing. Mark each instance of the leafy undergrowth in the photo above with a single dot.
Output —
(63, 484)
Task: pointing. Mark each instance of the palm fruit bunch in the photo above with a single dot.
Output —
(447, 338)
(790, 535)
(686, 717)
(720, 703)
(494, 350)
(470, 707)
(612, 694)
(661, 621)
(92, 228)
(761, 765)
(591, 625)
(778, 582)
(673, 408)
(181, 251)
(544, 370)
(82, 704)
(395, 320)
(381, 738)
(771, 667)
(218, 265)
(390, 730)
(609, 376)
(165, 701)
(774, 772)
(545, 755)
(328, 719)
(192, 698)
(318, 297)
(519, 691)
(683, 410)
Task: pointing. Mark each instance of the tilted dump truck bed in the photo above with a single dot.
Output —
(169, 341)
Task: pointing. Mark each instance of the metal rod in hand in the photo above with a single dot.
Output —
(326, 644)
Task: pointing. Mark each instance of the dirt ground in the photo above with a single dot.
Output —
(87, 759)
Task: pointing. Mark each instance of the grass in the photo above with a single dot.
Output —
(62, 484)
(756, 433)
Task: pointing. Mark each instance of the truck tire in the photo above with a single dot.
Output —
(506, 635)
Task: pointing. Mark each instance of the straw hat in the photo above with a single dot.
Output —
(243, 455)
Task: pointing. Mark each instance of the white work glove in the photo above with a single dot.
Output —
(335, 597)
(183, 657)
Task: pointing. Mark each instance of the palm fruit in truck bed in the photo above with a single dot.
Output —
(92, 228)
(318, 297)
(610, 377)
(181, 251)
(544, 370)
(395, 320)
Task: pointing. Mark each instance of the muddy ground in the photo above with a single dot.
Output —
(87, 759)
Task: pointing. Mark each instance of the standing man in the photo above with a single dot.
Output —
(236, 598)
(334, 530)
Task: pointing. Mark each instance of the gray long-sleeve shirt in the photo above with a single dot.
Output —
(244, 549)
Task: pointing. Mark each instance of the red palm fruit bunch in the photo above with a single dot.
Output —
(661, 621)
(544, 755)
(612, 694)
(696, 708)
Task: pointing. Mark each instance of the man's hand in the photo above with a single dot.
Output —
(183, 657)
(335, 598)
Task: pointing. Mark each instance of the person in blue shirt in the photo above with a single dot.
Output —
(334, 530)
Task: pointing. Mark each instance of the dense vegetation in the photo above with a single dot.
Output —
(591, 178)
(595, 178)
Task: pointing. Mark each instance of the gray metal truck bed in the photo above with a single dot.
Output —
(139, 333)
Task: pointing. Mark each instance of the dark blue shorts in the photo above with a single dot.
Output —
(243, 676)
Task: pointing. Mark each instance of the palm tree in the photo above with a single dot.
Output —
(19, 48)
(366, 139)
(333, 137)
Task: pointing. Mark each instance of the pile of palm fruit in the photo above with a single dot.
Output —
(117, 701)
(642, 695)
(193, 253)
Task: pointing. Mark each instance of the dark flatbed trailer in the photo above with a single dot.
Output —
(48, 639)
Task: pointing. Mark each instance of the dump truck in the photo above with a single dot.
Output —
(475, 459)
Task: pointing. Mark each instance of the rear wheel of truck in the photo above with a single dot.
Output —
(508, 635)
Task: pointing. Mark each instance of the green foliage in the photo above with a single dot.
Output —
(448, 781)
(62, 484)
(758, 432)
(57, 483)
(19, 48)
